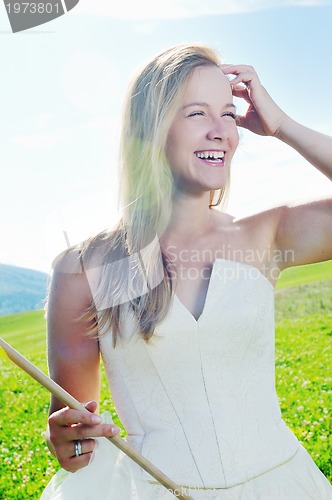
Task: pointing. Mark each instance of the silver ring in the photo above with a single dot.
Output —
(78, 448)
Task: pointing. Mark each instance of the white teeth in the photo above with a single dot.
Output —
(213, 155)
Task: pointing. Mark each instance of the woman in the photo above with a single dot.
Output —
(186, 332)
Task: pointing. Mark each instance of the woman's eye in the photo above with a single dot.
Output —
(196, 113)
(232, 115)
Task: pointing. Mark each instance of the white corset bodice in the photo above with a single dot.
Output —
(198, 399)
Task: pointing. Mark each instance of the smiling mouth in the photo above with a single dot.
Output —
(211, 156)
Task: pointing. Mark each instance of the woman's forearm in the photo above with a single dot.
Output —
(312, 145)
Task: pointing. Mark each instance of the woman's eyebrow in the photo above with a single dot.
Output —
(206, 105)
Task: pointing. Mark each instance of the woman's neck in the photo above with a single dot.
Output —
(191, 218)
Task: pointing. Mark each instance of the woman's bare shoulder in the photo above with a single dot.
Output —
(259, 222)
(69, 284)
(251, 230)
(68, 261)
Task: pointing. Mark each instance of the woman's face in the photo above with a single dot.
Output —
(203, 136)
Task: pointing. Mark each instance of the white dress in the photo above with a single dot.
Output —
(199, 401)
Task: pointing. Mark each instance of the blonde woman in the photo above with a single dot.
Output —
(186, 332)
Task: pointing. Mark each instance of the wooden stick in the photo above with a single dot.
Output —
(68, 400)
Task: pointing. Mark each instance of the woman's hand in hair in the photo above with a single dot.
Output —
(263, 116)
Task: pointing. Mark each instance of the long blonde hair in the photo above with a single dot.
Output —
(126, 266)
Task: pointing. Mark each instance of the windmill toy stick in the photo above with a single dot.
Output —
(68, 400)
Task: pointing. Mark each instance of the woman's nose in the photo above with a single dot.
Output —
(218, 130)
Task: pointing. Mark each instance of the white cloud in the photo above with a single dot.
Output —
(170, 9)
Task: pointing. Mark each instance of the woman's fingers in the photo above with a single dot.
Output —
(75, 463)
(68, 458)
(67, 416)
(67, 427)
(70, 425)
(263, 116)
(243, 73)
(86, 446)
(242, 92)
(82, 431)
(66, 447)
(91, 406)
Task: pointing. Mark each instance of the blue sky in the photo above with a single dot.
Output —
(62, 86)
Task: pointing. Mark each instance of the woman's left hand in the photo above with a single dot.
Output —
(263, 117)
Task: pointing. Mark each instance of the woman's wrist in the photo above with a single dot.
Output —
(287, 130)
(314, 146)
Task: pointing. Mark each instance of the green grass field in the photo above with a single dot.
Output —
(294, 276)
(303, 377)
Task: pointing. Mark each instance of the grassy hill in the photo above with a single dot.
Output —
(304, 383)
(21, 289)
(299, 275)
(304, 290)
(25, 330)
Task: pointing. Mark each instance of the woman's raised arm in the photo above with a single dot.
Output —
(304, 229)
